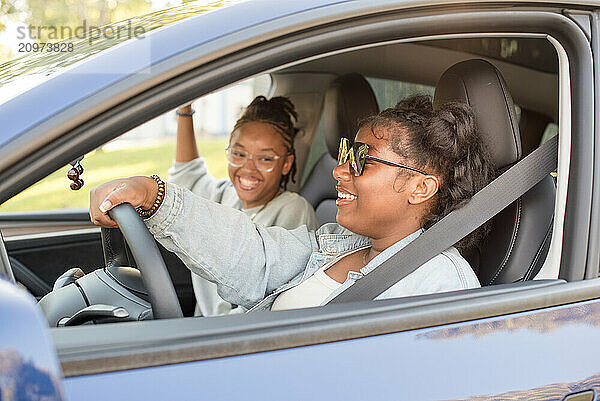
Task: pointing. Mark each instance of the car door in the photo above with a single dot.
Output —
(521, 340)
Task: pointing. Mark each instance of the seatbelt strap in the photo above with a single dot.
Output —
(484, 205)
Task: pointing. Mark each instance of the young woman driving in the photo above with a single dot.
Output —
(261, 162)
(408, 167)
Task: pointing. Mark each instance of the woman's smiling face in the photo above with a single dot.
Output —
(381, 202)
(255, 187)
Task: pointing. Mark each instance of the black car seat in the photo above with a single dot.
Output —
(347, 100)
(518, 244)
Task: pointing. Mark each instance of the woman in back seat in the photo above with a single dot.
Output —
(261, 162)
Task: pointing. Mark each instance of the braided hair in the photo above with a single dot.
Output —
(279, 113)
(446, 143)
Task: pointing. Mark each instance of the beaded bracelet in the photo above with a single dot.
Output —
(160, 195)
(180, 114)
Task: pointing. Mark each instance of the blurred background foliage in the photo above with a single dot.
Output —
(68, 13)
(102, 165)
(68, 16)
(72, 13)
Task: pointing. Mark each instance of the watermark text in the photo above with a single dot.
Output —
(83, 31)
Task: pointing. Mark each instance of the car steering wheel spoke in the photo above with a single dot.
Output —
(146, 254)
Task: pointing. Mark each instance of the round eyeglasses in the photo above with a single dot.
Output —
(264, 162)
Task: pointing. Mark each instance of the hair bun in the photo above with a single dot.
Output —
(457, 118)
(416, 109)
(285, 105)
(420, 104)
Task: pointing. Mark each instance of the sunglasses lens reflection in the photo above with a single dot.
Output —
(356, 153)
(343, 151)
(360, 153)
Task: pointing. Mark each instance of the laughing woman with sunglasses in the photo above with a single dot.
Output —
(408, 167)
(261, 162)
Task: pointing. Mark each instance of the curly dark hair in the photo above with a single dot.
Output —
(278, 112)
(444, 142)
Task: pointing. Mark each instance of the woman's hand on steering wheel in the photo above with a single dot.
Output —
(139, 191)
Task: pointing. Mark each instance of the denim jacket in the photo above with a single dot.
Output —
(252, 264)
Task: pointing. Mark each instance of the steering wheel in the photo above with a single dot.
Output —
(163, 298)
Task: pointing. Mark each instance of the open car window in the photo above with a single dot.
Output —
(145, 150)
(152, 144)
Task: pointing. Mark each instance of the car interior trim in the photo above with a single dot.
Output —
(574, 250)
(6, 271)
(593, 262)
(38, 240)
(551, 266)
(28, 278)
(67, 215)
(583, 19)
(411, 40)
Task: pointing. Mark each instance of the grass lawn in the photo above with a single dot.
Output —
(53, 192)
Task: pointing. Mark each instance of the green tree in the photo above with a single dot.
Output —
(47, 63)
(10, 11)
(72, 14)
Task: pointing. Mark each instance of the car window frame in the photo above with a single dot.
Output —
(446, 308)
(593, 262)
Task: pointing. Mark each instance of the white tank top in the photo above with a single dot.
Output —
(311, 292)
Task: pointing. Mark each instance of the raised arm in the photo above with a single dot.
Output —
(185, 149)
(189, 170)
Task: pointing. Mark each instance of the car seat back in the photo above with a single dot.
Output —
(349, 99)
(520, 237)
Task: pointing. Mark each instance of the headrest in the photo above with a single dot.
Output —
(348, 100)
(481, 85)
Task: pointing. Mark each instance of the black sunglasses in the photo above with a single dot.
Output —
(358, 153)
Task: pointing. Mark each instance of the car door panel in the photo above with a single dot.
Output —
(51, 254)
(39, 259)
(508, 357)
(35, 222)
